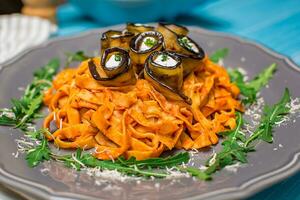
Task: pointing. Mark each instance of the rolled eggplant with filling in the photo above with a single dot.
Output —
(138, 28)
(176, 39)
(114, 69)
(164, 71)
(142, 45)
(190, 53)
(113, 38)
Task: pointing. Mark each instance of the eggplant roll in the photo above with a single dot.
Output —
(176, 39)
(138, 28)
(164, 71)
(142, 45)
(115, 68)
(113, 38)
(190, 53)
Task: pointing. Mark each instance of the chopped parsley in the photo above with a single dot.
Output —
(184, 41)
(118, 57)
(150, 42)
(164, 57)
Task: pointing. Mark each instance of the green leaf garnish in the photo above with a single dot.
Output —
(195, 172)
(78, 56)
(236, 146)
(24, 110)
(118, 57)
(184, 41)
(38, 154)
(250, 89)
(169, 161)
(7, 121)
(149, 42)
(156, 167)
(164, 57)
(271, 116)
(219, 54)
(232, 151)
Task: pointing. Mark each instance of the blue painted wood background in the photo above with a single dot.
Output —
(274, 23)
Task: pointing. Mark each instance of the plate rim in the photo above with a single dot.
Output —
(244, 190)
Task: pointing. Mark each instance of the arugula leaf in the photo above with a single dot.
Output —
(170, 161)
(199, 174)
(236, 146)
(271, 115)
(219, 54)
(78, 56)
(25, 109)
(47, 72)
(7, 121)
(87, 160)
(91, 161)
(38, 134)
(38, 154)
(250, 89)
(232, 151)
(156, 167)
(262, 78)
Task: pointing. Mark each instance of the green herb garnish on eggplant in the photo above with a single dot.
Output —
(116, 64)
(176, 39)
(142, 45)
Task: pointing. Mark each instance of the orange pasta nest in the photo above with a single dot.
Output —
(137, 120)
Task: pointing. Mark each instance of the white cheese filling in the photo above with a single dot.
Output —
(113, 62)
(191, 45)
(165, 60)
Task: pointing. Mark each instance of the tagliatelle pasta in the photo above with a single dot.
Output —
(137, 120)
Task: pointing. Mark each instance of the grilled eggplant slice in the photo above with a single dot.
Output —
(138, 28)
(142, 45)
(113, 38)
(115, 66)
(164, 71)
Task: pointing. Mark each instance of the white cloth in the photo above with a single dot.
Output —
(18, 32)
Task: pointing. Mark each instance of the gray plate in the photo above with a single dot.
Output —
(266, 166)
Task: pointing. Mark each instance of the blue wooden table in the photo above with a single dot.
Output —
(274, 23)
